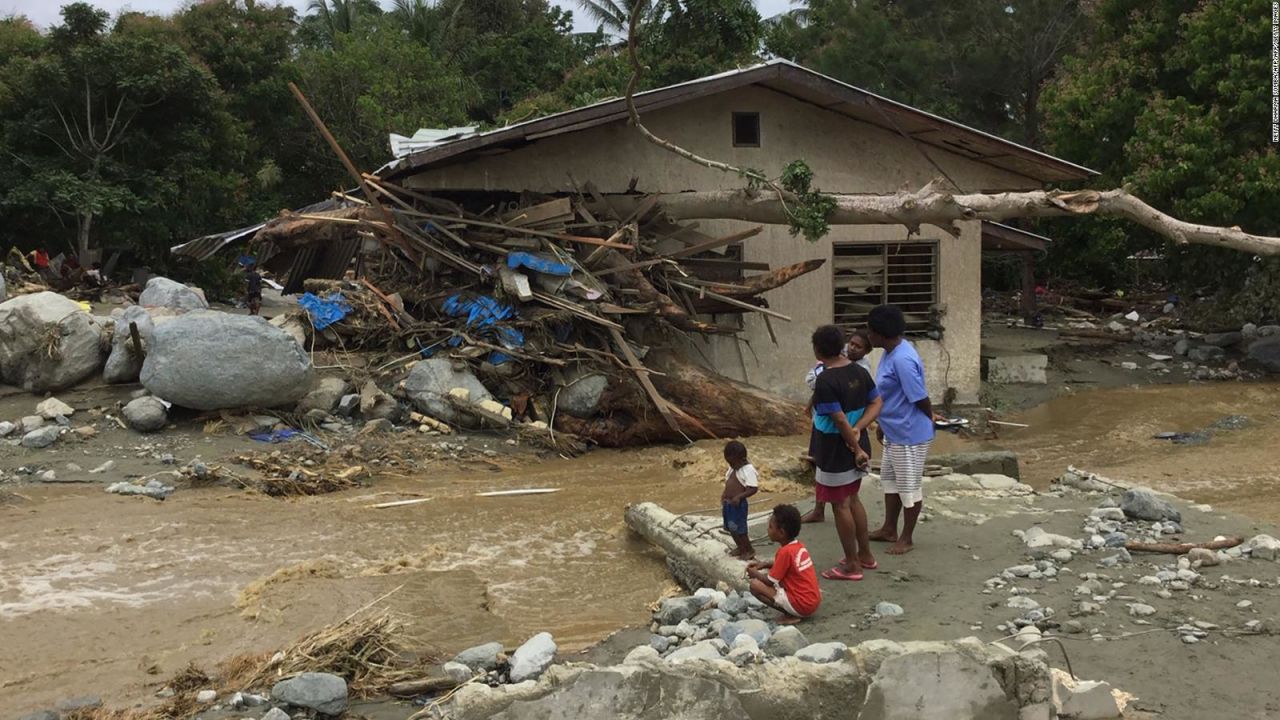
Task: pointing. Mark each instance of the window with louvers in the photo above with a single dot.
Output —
(865, 275)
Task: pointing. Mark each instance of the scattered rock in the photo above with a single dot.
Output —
(757, 629)
(1141, 610)
(348, 405)
(580, 396)
(40, 714)
(673, 610)
(41, 437)
(204, 697)
(481, 657)
(146, 414)
(704, 650)
(31, 422)
(1022, 602)
(888, 609)
(104, 467)
(1144, 504)
(212, 360)
(87, 702)
(1223, 340)
(53, 408)
(533, 657)
(33, 323)
(457, 672)
(322, 692)
(1244, 604)
(6, 428)
(827, 652)
(430, 381)
(1262, 547)
(1083, 699)
(785, 641)
(324, 396)
(1200, 557)
(660, 643)
(165, 293)
(276, 714)
(1266, 353)
(1205, 353)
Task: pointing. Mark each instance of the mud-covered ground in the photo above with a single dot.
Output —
(108, 595)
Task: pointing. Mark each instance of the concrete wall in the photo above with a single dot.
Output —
(846, 155)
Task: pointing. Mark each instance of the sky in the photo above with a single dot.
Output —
(45, 12)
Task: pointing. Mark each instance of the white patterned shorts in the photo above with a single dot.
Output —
(902, 471)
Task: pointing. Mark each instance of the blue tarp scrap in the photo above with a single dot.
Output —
(325, 311)
(484, 313)
(274, 436)
(539, 263)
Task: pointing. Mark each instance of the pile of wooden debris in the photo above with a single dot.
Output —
(535, 293)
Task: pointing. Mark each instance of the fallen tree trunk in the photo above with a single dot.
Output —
(935, 204)
(1181, 548)
(720, 408)
(696, 558)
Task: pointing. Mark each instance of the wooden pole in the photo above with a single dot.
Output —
(1028, 286)
(387, 217)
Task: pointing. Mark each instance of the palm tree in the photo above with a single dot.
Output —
(615, 15)
(417, 18)
(337, 16)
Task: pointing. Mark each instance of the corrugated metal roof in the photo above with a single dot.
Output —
(788, 78)
(424, 138)
(203, 248)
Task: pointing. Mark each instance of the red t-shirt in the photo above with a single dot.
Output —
(793, 570)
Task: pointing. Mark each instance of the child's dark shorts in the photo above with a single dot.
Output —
(735, 517)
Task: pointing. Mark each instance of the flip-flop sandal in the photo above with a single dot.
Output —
(871, 565)
(838, 573)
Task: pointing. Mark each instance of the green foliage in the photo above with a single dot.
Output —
(1172, 100)
(811, 208)
(688, 39)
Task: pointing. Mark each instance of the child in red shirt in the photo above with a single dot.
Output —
(791, 585)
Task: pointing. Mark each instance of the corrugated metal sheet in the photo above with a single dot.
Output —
(203, 248)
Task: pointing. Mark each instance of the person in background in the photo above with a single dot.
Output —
(905, 427)
(857, 349)
(790, 585)
(740, 482)
(845, 403)
(253, 288)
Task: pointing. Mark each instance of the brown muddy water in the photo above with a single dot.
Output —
(110, 595)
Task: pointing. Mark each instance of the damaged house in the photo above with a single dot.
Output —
(765, 117)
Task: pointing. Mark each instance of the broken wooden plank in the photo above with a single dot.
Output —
(717, 243)
(400, 503)
(703, 292)
(595, 241)
(642, 375)
(558, 210)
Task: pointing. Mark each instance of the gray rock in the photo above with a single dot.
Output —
(430, 381)
(322, 692)
(1141, 610)
(457, 672)
(1266, 353)
(324, 397)
(32, 323)
(1268, 331)
(211, 361)
(1182, 346)
(641, 655)
(1249, 331)
(31, 422)
(165, 293)
(995, 462)
(1223, 340)
(4, 291)
(580, 397)
(6, 428)
(53, 408)
(827, 652)
(276, 714)
(348, 405)
(41, 437)
(674, 610)
(146, 414)
(206, 696)
(1144, 504)
(153, 489)
(1115, 539)
(785, 641)
(1263, 547)
(123, 364)
(40, 714)
(661, 643)
(705, 650)
(481, 657)
(757, 629)
(888, 609)
(378, 405)
(1205, 353)
(734, 604)
(532, 658)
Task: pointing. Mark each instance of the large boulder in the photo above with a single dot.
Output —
(429, 383)
(212, 360)
(123, 364)
(1266, 353)
(1143, 504)
(165, 293)
(580, 397)
(4, 292)
(533, 657)
(47, 342)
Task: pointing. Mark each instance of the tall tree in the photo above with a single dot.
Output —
(1172, 99)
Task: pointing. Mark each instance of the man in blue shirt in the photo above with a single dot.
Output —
(905, 427)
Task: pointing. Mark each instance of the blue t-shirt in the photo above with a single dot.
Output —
(900, 379)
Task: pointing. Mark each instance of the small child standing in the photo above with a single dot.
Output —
(791, 585)
(740, 483)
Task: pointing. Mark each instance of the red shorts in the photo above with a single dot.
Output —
(838, 494)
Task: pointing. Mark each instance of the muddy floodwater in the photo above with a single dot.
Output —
(101, 594)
